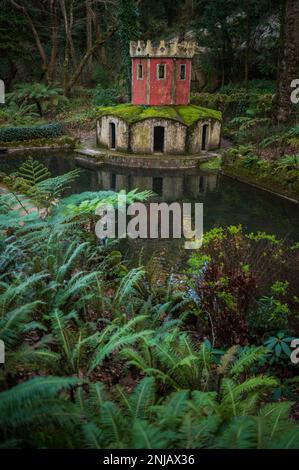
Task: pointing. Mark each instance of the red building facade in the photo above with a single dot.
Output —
(161, 75)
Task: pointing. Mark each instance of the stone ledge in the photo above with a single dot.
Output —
(94, 158)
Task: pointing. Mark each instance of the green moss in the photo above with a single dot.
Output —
(213, 164)
(187, 115)
(167, 112)
(278, 175)
(191, 114)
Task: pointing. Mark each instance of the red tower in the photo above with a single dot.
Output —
(161, 75)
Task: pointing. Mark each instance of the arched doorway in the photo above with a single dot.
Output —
(159, 137)
(112, 135)
(204, 137)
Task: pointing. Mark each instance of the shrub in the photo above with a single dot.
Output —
(234, 277)
(44, 97)
(18, 115)
(101, 76)
(238, 102)
(9, 134)
(106, 96)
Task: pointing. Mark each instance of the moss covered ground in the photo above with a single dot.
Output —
(187, 115)
(213, 164)
(280, 176)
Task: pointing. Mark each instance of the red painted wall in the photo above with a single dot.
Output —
(139, 86)
(161, 90)
(183, 86)
(155, 92)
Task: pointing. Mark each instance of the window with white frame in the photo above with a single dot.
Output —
(161, 71)
(139, 72)
(183, 72)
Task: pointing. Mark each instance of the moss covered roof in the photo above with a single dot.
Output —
(187, 115)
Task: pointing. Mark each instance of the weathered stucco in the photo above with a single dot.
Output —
(122, 132)
(213, 136)
(139, 137)
(142, 136)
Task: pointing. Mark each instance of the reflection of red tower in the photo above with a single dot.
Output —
(161, 75)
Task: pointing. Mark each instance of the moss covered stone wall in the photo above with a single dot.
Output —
(142, 136)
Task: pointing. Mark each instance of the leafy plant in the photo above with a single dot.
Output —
(106, 96)
(48, 131)
(226, 277)
(279, 347)
(43, 96)
(31, 184)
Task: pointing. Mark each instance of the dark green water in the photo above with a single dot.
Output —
(226, 202)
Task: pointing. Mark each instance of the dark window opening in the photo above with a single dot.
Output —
(204, 136)
(201, 184)
(161, 71)
(139, 72)
(159, 133)
(112, 135)
(158, 186)
(113, 181)
(183, 72)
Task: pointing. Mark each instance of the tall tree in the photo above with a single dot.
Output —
(128, 30)
(289, 58)
(63, 20)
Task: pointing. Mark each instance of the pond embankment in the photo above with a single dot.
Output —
(92, 158)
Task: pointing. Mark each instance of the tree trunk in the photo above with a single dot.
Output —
(54, 39)
(89, 36)
(68, 30)
(68, 87)
(247, 49)
(38, 43)
(101, 51)
(289, 59)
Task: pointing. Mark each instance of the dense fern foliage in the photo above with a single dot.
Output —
(100, 356)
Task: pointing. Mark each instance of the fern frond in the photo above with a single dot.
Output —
(247, 359)
(240, 433)
(128, 285)
(148, 436)
(142, 398)
(194, 434)
(123, 336)
(226, 360)
(92, 436)
(113, 424)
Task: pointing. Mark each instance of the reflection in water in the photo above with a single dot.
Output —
(169, 187)
(225, 201)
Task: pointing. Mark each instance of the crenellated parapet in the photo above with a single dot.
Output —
(175, 49)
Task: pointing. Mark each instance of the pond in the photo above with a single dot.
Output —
(226, 201)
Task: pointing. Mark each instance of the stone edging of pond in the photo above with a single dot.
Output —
(93, 158)
(258, 186)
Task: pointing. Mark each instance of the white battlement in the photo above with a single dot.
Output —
(176, 49)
